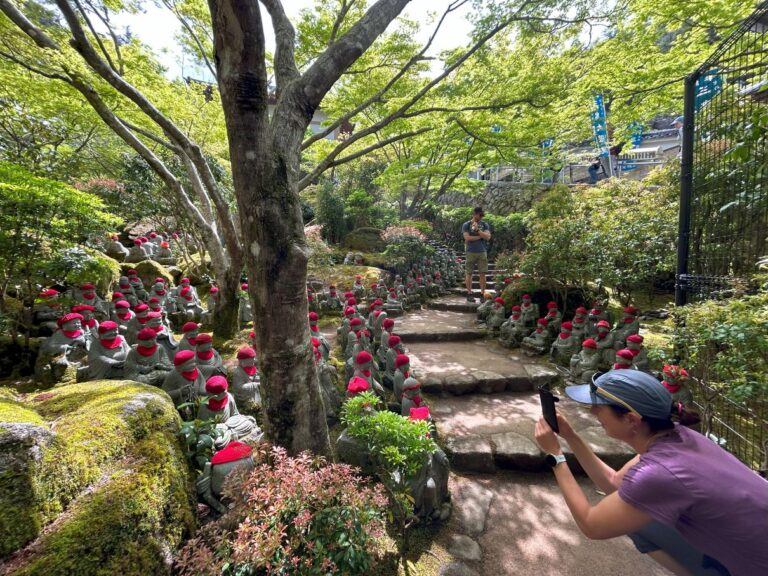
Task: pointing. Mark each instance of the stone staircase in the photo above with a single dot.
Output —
(483, 397)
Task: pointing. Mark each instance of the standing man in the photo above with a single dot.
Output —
(476, 233)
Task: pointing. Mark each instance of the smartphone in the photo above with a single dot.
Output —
(548, 407)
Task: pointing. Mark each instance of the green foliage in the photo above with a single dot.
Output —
(507, 232)
(405, 246)
(330, 213)
(397, 444)
(39, 218)
(290, 516)
(619, 233)
(198, 437)
(77, 265)
(725, 344)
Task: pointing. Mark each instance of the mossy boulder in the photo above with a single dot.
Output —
(364, 240)
(343, 276)
(148, 270)
(98, 268)
(102, 459)
(197, 269)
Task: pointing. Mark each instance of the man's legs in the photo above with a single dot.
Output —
(482, 270)
(470, 259)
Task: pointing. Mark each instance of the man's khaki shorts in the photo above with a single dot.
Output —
(477, 258)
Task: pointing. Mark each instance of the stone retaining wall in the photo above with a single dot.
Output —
(499, 198)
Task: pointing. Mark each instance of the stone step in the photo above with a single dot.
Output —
(438, 326)
(453, 304)
(475, 292)
(486, 433)
(477, 367)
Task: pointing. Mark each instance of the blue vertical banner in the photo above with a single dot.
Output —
(600, 126)
(708, 86)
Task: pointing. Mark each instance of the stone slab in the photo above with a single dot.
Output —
(457, 569)
(471, 453)
(483, 367)
(453, 303)
(464, 548)
(471, 503)
(506, 420)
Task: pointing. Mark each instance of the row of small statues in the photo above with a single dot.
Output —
(151, 247)
(376, 361)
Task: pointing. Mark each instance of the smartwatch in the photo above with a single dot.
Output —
(554, 459)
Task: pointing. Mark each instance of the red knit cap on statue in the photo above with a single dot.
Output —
(363, 357)
(251, 334)
(232, 453)
(106, 326)
(415, 386)
(183, 356)
(315, 342)
(48, 293)
(393, 341)
(351, 301)
(636, 338)
(131, 272)
(243, 286)
(246, 352)
(603, 324)
(203, 339)
(401, 360)
(630, 310)
(589, 343)
(155, 315)
(357, 385)
(551, 305)
(581, 310)
(420, 413)
(87, 286)
(146, 334)
(388, 323)
(184, 280)
(356, 321)
(348, 311)
(566, 326)
(542, 321)
(216, 384)
(526, 296)
(625, 353)
(499, 300)
(516, 308)
(214, 290)
(141, 308)
(190, 327)
(69, 318)
(122, 304)
(313, 317)
(378, 302)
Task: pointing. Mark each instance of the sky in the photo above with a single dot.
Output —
(157, 27)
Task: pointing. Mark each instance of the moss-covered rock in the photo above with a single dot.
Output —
(198, 270)
(364, 240)
(103, 459)
(97, 268)
(343, 276)
(148, 270)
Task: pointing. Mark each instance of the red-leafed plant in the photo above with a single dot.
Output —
(296, 516)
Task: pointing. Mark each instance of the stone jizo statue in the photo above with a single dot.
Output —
(529, 311)
(586, 363)
(411, 396)
(147, 362)
(539, 341)
(624, 360)
(639, 353)
(497, 315)
(108, 353)
(564, 346)
(208, 359)
(115, 249)
(185, 383)
(676, 382)
(210, 483)
(246, 386)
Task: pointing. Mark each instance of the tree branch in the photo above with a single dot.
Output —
(419, 57)
(151, 136)
(501, 106)
(38, 36)
(183, 21)
(330, 65)
(85, 49)
(285, 38)
(377, 145)
(95, 35)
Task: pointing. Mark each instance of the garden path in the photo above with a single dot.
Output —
(508, 515)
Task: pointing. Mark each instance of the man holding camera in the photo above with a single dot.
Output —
(476, 233)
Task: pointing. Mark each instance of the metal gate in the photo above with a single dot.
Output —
(724, 190)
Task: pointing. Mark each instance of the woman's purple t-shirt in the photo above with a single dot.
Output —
(719, 505)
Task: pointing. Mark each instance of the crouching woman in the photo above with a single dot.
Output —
(689, 504)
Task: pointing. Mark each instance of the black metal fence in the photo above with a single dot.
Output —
(740, 429)
(724, 191)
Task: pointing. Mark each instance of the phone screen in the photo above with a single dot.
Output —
(548, 407)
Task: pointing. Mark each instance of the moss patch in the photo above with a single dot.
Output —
(343, 276)
(148, 270)
(11, 410)
(115, 441)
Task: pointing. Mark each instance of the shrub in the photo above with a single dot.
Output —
(330, 213)
(405, 246)
(421, 225)
(725, 344)
(320, 253)
(507, 232)
(364, 240)
(290, 516)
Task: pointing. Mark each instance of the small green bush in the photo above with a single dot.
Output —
(725, 344)
(421, 225)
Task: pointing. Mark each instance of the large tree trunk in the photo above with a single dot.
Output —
(226, 316)
(275, 252)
